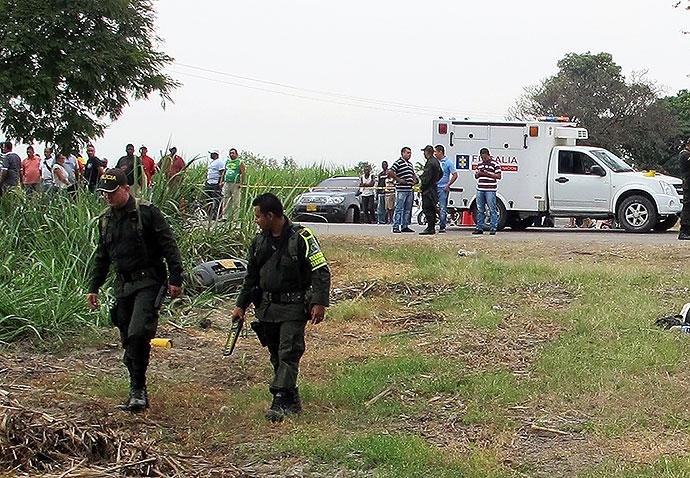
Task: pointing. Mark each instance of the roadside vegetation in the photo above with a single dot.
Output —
(522, 360)
(48, 242)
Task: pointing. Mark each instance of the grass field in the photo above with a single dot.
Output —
(523, 360)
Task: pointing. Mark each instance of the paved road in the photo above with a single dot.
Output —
(599, 236)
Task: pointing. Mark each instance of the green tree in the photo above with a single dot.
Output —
(679, 107)
(68, 67)
(622, 114)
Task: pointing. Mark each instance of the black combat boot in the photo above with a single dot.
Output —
(293, 404)
(138, 400)
(684, 234)
(276, 413)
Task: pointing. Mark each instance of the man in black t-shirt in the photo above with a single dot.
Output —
(684, 163)
(93, 169)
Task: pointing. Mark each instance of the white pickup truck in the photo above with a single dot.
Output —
(545, 173)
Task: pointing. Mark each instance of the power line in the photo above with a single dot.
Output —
(434, 110)
(311, 98)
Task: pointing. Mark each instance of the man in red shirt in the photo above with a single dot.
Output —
(148, 164)
(31, 172)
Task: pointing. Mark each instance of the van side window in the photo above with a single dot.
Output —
(574, 162)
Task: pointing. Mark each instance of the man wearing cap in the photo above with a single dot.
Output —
(136, 239)
(428, 182)
(214, 184)
(684, 163)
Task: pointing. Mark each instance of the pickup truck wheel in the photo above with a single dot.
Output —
(502, 216)
(664, 225)
(637, 214)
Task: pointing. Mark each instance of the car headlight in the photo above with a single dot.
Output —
(335, 200)
(667, 188)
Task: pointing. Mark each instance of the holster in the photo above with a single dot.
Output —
(161, 296)
(260, 332)
(256, 296)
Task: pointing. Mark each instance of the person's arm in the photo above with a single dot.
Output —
(99, 270)
(171, 253)
(61, 176)
(4, 166)
(320, 275)
(453, 177)
(497, 172)
(251, 280)
(221, 177)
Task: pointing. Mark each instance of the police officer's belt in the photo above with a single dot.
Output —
(285, 297)
(133, 276)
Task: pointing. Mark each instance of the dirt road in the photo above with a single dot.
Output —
(580, 236)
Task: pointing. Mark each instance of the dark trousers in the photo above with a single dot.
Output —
(429, 202)
(137, 320)
(368, 207)
(213, 197)
(285, 342)
(685, 213)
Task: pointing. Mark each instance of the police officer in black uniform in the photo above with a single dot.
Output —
(288, 280)
(136, 239)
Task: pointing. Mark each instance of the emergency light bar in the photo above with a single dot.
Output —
(560, 119)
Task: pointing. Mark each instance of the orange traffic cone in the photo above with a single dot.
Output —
(467, 219)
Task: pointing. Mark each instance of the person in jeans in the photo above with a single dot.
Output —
(449, 176)
(403, 173)
(381, 213)
(488, 174)
(367, 181)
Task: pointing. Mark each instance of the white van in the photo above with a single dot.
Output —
(545, 173)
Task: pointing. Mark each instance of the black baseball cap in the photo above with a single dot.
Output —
(428, 147)
(111, 180)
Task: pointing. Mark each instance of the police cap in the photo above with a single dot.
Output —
(111, 180)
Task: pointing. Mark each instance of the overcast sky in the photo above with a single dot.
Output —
(450, 58)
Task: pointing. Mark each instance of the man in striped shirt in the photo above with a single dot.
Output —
(488, 174)
(403, 173)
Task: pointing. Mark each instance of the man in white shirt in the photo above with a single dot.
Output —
(214, 184)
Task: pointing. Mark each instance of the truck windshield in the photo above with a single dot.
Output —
(338, 184)
(616, 164)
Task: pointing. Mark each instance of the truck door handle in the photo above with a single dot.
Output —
(451, 138)
(562, 180)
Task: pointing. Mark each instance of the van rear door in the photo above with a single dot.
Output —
(572, 185)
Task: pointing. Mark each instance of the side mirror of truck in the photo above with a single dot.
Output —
(597, 170)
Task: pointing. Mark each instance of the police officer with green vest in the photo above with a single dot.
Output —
(136, 239)
(288, 280)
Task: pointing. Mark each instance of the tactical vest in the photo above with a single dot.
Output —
(285, 270)
(126, 244)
